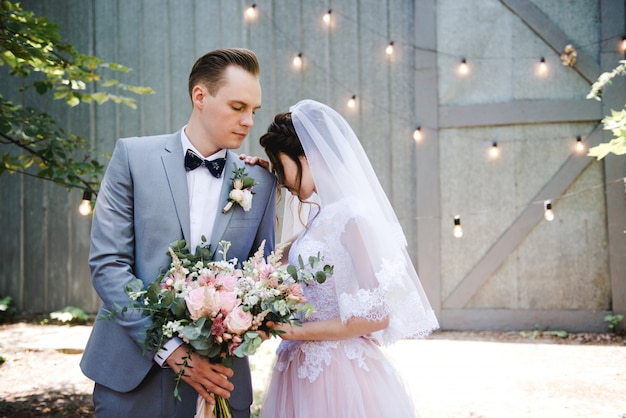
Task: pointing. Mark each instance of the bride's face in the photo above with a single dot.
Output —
(290, 168)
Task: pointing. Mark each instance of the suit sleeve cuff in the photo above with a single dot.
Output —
(168, 348)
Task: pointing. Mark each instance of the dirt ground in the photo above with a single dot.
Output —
(450, 374)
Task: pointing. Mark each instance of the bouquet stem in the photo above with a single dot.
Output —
(221, 409)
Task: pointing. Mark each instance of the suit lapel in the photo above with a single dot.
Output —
(222, 219)
(172, 159)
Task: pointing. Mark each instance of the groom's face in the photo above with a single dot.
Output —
(228, 116)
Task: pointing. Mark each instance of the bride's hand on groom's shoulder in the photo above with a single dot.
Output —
(251, 160)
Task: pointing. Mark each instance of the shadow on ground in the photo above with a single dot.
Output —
(48, 405)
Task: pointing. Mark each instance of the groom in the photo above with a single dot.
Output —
(149, 198)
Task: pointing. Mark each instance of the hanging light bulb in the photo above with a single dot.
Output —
(352, 101)
(326, 17)
(389, 49)
(494, 152)
(251, 11)
(297, 60)
(542, 68)
(417, 134)
(463, 67)
(85, 206)
(624, 44)
(580, 145)
(457, 230)
(548, 214)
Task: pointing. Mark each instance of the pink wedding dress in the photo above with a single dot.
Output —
(348, 378)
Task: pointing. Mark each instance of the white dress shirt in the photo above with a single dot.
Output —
(204, 192)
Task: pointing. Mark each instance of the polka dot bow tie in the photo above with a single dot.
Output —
(193, 161)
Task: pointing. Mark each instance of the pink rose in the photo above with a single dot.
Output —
(206, 277)
(238, 321)
(228, 282)
(225, 301)
(201, 302)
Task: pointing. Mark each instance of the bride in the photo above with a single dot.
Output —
(332, 365)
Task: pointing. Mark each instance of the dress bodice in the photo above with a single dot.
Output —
(324, 237)
(311, 242)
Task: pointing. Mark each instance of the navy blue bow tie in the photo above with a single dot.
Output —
(193, 161)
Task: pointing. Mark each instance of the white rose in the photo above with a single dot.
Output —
(237, 195)
(246, 202)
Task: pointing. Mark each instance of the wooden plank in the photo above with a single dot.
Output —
(614, 97)
(343, 62)
(553, 35)
(155, 67)
(315, 42)
(519, 112)
(105, 43)
(181, 58)
(130, 39)
(402, 119)
(11, 209)
(11, 225)
(427, 172)
(206, 28)
(521, 226)
(523, 320)
(286, 42)
(373, 93)
(259, 34)
(35, 220)
(80, 121)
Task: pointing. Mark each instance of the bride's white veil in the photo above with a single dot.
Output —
(374, 238)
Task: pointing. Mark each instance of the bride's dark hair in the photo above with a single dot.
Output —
(281, 137)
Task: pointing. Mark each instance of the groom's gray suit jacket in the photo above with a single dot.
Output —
(142, 207)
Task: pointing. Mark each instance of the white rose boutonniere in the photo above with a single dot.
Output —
(241, 192)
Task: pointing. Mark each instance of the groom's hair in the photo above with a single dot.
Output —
(209, 69)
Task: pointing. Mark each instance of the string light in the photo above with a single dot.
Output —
(352, 101)
(463, 67)
(494, 151)
(542, 68)
(417, 134)
(297, 60)
(548, 214)
(251, 11)
(457, 230)
(389, 49)
(624, 44)
(326, 17)
(85, 206)
(580, 145)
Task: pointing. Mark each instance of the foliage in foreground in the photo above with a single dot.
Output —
(32, 48)
(7, 310)
(616, 122)
(69, 315)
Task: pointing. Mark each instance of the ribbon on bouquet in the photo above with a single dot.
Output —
(221, 409)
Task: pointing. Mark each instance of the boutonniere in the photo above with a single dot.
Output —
(241, 191)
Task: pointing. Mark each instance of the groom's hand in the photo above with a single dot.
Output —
(206, 378)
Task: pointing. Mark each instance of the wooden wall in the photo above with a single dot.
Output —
(510, 270)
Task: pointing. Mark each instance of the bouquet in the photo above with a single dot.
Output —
(219, 308)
